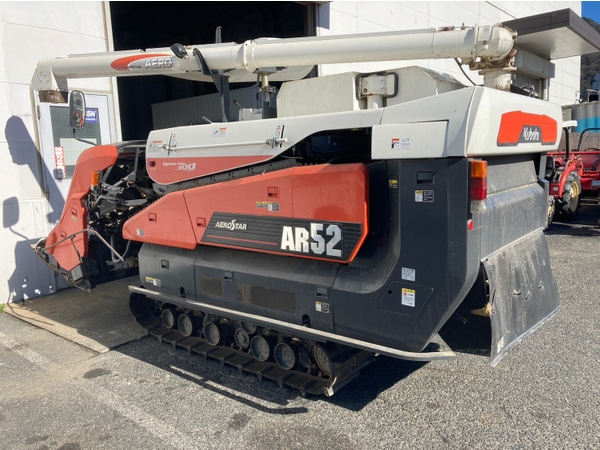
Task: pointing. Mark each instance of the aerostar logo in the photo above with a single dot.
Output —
(531, 134)
(329, 241)
(299, 239)
(233, 225)
(143, 62)
(158, 63)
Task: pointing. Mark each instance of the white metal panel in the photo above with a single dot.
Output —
(418, 82)
(452, 107)
(485, 117)
(409, 140)
(336, 93)
(473, 116)
(333, 93)
(250, 138)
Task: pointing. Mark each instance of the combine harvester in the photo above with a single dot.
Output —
(369, 213)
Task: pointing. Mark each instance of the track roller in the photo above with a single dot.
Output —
(169, 317)
(248, 327)
(241, 338)
(286, 355)
(218, 332)
(189, 324)
(262, 346)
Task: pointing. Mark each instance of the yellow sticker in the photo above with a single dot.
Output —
(408, 297)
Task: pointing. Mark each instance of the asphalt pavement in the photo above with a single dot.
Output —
(55, 394)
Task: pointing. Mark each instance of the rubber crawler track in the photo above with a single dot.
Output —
(243, 361)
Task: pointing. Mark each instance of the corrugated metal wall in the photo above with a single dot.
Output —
(587, 115)
(189, 111)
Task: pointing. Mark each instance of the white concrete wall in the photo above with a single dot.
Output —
(30, 31)
(345, 17)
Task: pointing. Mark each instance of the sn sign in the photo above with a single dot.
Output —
(91, 115)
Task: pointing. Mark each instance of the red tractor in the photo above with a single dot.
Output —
(573, 173)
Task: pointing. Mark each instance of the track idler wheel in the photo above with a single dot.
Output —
(327, 356)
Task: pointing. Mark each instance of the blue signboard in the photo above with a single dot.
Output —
(91, 115)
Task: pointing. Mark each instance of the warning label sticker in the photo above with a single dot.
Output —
(408, 297)
(401, 143)
(322, 307)
(271, 206)
(219, 132)
(154, 146)
(424, 196)
(408, 274)
(155, 281)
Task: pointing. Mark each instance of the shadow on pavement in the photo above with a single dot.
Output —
(585, 223)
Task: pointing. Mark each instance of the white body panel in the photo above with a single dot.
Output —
(410, 140)
(337, 93)
(463, 123)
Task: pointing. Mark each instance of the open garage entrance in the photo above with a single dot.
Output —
(161, 24)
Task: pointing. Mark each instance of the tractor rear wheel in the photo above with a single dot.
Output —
(571, 195)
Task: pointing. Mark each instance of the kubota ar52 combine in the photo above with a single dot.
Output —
(373, 211)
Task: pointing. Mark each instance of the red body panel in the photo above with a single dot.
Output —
(171, 170)
(335, 193)
(165, 222)
(74, 215)
(513, 125)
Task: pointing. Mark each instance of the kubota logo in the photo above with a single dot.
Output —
(233, 225)
(531, 134)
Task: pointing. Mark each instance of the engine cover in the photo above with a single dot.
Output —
(317, 212)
